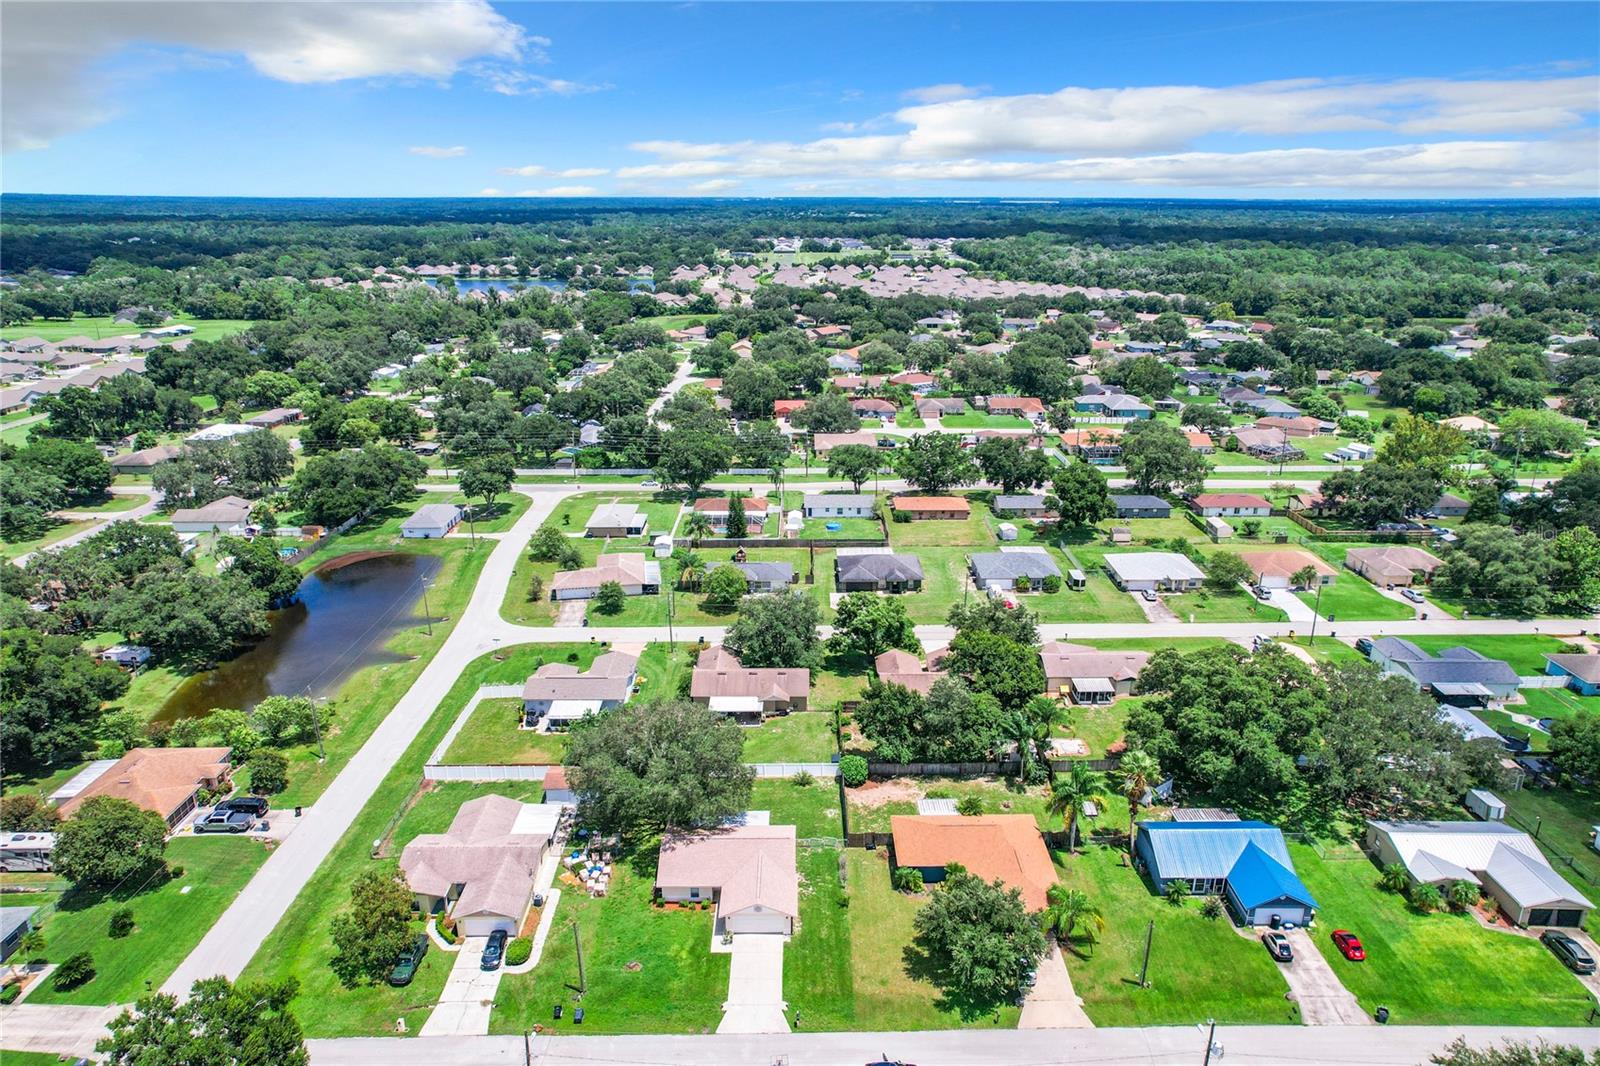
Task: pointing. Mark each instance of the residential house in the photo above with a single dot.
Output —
(1502, 860)
(788, 408)
(873, 407)
(1124, 406)
(843, 362)
(1094, 444)
(1248, 399)
(1019, 406)
(897, 667)
(231, 514)
(876, 570)
(1230, 504)
(277, 416)
(857, 383)
(1451, 506)
(145, 460)
(1029, 506)
(715, 508)
(1581, 671)
(221, 431)
(1276, 569)
(918, 383)
(1296, 426)
(617, 520)
(1137, 506)
(167, 781)
(940, 406)
(933, 508)
(637, 575)
(748, 870)
(15, 923)
(1458, 676)
(1089, 675)
(823, 443)
(747, 695)
(1000, 571)
(127, 656)
(1393, 565)
(481, 870)
(1154, 571)
(763, 577)
(1470, 424)
(431, 521)
(560, 694)
(839, 505)
(1368, 380)
(1246, 863)
(1003, 847)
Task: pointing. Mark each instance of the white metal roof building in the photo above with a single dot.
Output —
(1137, 571)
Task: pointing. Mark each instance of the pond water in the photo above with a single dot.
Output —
(346, 613)
(511, 285)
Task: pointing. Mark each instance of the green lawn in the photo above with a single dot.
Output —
(648, 969)
(689, 607)
(1561, 819)
(812, 809)
(805, 736)
(111, 504)
(1524, 652)
(507, 509)
(574, 511)
(1555, 703)
(1328, 649)
(980, 420)
(1433, 969)
(908, 419)
(1199, 967)
(1351, 599)
(493, 736)
(101, 326)
(11, 549)
(299, 945)
(973, 532)
(664, 671)
(1099, 727)
(170, 918)
(1235, 605)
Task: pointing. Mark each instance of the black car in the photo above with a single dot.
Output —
(1278, 946)
(405, 967)
(494, 951)
(1364, 645)
(225, 821)
(1569, 951)
(254, 804)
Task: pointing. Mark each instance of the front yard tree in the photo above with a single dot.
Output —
(1082, 496)
(935, 462)
(1011, 464)
(725, 588)
(761, 446)
(691, 457)
(697, 527)
(989, 615)
(108, 840)
(1069, 909)
(487, 479)
(854, 463)
(1459, 1053)
(269, 773)
(1225, 571)
(657, 767)
(1158, 458)
(777, 630)
(373, 930)
(829, 413)
(220, 1024)
(1072, 792)
(872, 625)
(610, 599)
(998, 665)
(979, 942)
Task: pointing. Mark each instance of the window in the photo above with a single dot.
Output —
(694, 893)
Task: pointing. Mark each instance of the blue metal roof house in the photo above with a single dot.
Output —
(1246, 863)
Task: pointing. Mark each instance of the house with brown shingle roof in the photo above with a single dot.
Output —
(898, 667)
(1003, 847)
(481, 870)
(1393, 565)
(748, 870)
(723, 684)
(164, 780)
(1090, 675)
(561, 694)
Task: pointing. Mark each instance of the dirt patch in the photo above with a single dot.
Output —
(878, 793)
(346, 560)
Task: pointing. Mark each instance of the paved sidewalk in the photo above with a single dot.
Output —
(468, 995)
(1052, 1003)
(755, 986)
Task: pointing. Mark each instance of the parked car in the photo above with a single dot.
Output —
(405, 966)
(1262, 592)
(225, 821)
(1149, 596)
(254, 804)
(1278, 946)
(1364, 645)
(1349, 945)
(647, 483)
(1413, 595)
(494, 951)
(1569, 951)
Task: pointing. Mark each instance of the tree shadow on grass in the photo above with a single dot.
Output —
(87, 897)
(921, 966)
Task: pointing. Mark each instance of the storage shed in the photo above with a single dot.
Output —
(1486, 805)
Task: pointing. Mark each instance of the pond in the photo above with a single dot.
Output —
(348, 610)
(512, 285)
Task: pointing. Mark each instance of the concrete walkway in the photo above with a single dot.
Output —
(1291, 605)
(755, 986)
(468, 994)
(1316, 987)
(1052, 1002)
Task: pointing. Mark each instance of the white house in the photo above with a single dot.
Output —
(637, 575)
(839, 505)
(222, 431)
(1156, 571)
(231, 514)
(431, 520)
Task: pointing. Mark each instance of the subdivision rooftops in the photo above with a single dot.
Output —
(718, 673)
(1582, 667)
(157, 779)
(1061, 659)
(609, 677)
(227, 511)
(719, 504)
(749, 866)
(1285, 563)
(1230, 499)
(877, 566)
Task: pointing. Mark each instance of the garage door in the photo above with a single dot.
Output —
(757, 922)
(484, 925)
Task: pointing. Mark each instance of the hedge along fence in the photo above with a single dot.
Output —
(1321, 532)
(975, 769)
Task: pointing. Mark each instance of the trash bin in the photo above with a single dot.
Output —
(1277, 921)
(557, 1012)
(297, 810)
(577, 1016)
(1382, 1015)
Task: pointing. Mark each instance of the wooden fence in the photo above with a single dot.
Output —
(975, 769)
(1321, 532)
(307, 551)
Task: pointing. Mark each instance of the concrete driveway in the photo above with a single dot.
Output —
(1051, 1002)
(570, 612)
(1313, 984)
(1289, 604)
(755, 986)
(468, 995)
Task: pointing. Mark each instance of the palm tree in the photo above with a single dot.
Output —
(1069, 795)
(1140, 772)
(1066, 909)
(696, 527)
(691, 569)
(1029, 728)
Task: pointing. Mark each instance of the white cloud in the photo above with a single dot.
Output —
(435, 152)
(562, 190)
(935, 94)
(583, 172)
(533, 171)
(52, 54)
(537, 171)
(490, 191)
(714, 185)
(512, 82)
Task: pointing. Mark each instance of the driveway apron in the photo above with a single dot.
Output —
(468, 995)
(755, 986)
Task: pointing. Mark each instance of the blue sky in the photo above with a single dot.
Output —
(467, 97)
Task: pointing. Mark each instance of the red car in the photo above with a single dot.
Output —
(1349, 945)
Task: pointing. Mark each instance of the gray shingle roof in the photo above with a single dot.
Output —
(854, 568)
(1018, 503)
(1034, 565)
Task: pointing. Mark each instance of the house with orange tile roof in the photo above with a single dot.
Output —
(1003, 847)
(164, 780)
(921, 508)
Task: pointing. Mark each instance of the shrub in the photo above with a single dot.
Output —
(1177, 891)
(1211, 908)
(1394, 878)
(269, 773)
(969, 805)
(73, 972)
(803, 779)
(174, 871)
(853, 768)
(32, 945)
(1462, 895)
(446, 927)
(1052, 583)
(519, 951)
(1426, 898)
(121, 923)
(1024, 583)
(1251, 527)
(548, 545)
(906, 879)
(535, 588)
(9, 994)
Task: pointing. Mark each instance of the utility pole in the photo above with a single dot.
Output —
(316, 720)
(1144, 969)
(1211, 1041)
(1316, 612)
(583, 985)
